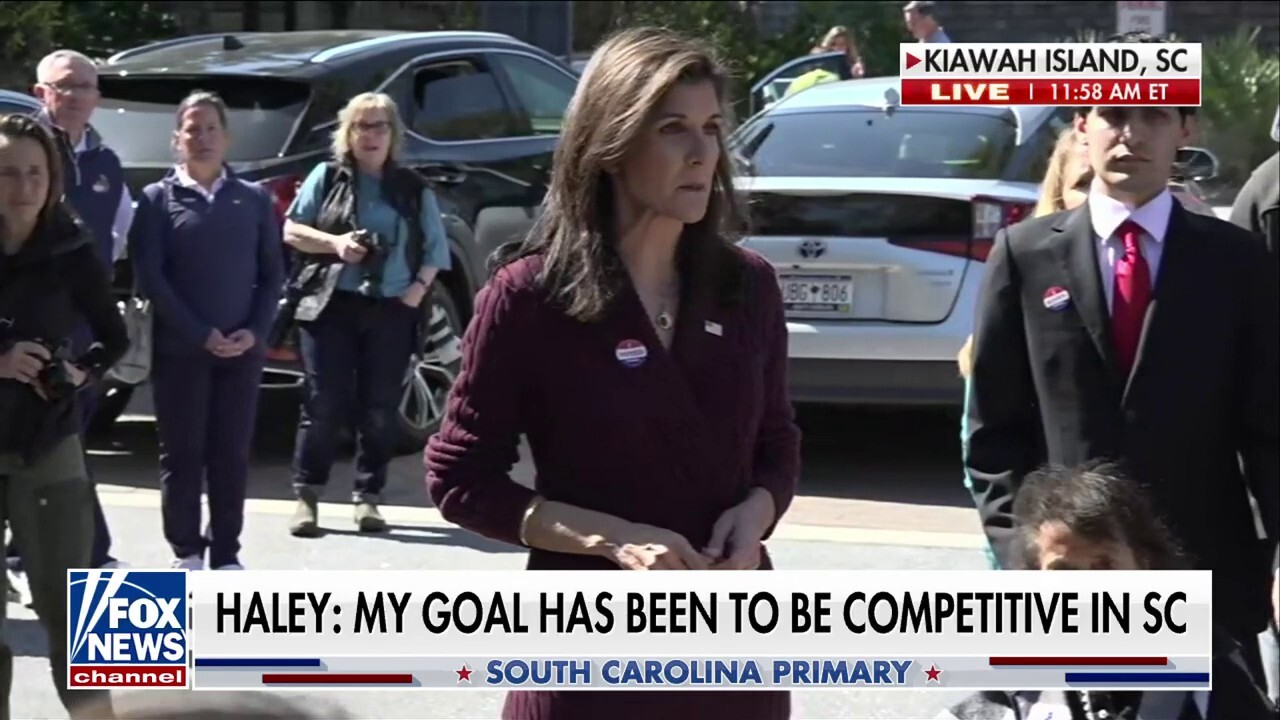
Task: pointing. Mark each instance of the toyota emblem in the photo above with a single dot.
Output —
(812, 248)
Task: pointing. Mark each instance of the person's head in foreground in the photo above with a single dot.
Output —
(641, 154)
(1092, 517)
(1132, 149)
(1089, 518)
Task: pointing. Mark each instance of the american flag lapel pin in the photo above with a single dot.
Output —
(714, 328)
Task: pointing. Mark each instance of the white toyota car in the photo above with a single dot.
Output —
(878, 219)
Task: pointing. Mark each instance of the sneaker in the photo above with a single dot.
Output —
(230, 566)
(367, 517)
(19, 590)
(114, 565)
(194, 562)
(306, 516)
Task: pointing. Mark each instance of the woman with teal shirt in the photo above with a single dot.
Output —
(371, 241)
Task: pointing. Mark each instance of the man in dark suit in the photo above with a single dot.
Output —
(1132, 330)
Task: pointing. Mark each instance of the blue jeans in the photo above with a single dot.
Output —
(101, 554)
(356, 355)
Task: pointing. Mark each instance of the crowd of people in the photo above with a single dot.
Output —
(1116, 327)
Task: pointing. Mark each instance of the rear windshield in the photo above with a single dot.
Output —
(136, 115)
(869, 143)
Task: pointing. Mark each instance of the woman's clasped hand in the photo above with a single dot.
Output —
(735, 541)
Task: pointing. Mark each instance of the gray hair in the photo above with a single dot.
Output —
(46, 64)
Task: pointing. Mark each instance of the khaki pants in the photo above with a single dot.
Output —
(49, 507)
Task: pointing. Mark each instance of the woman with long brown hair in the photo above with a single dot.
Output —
(641, 352)
(51, 282)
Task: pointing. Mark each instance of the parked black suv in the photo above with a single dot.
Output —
(483, 113)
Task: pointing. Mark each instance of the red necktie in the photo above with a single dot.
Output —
(1131, 297)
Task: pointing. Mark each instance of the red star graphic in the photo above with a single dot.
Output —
(464, 673)
(933, 672)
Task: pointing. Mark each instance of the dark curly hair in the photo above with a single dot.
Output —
(1095, 501)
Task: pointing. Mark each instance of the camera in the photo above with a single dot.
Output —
(54, 378)
(376, 248)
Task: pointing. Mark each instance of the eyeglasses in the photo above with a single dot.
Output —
(380, 126)
(65, 88)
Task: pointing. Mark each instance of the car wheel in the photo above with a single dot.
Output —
(111, 405)
(430, 375)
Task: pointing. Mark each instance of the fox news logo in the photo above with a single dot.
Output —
(128, 629)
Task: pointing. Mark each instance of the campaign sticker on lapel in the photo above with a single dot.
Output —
(631, 353)
(1057, 298)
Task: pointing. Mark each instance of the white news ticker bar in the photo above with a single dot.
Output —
(1065, 61)
(287, 602)
(759, 672)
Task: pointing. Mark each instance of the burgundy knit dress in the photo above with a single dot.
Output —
(672, 441)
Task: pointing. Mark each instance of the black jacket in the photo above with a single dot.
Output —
(47, 289)
(1197, 420)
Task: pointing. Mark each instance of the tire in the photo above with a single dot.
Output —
(428, 380)
(111, 405)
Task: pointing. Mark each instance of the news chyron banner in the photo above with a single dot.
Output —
(264, 630)
(1054, 74)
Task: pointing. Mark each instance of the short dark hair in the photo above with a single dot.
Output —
(1139, 36)
(1095, 501)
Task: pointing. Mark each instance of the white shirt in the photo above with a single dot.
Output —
(187, 181)
(1107, 214)
(124, 211)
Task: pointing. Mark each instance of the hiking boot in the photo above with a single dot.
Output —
(306, 518)
(367, 517)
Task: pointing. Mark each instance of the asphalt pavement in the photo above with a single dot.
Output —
(880, 491)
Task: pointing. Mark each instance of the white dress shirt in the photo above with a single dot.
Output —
(124, 211)
(187, 181)
(1107, 214)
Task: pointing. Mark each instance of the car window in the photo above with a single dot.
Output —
(819, 68)
(136, 114)
(542, 91)
(461, 100)
(12, 108)
(871, 143)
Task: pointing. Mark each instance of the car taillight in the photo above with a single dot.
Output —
(282, 190)
(990, 216)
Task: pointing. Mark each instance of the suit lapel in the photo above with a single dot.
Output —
(1078, 251)
(1175, 284)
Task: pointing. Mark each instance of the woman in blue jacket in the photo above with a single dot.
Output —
(206, 251)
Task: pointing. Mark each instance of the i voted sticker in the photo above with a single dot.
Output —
(1057, 298)
(631, 353)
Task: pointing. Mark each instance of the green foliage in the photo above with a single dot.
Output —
(98, 29)
(748, 48)
(1241, 90)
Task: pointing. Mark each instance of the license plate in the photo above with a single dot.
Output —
(823, 294)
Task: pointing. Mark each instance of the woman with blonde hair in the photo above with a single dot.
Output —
(371, 242)
(641, 352)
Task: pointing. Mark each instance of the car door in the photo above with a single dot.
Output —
(773, 87)
(467, 133)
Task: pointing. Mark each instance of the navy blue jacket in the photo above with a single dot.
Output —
(206, 265)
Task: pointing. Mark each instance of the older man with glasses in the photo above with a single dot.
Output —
(67, 87)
